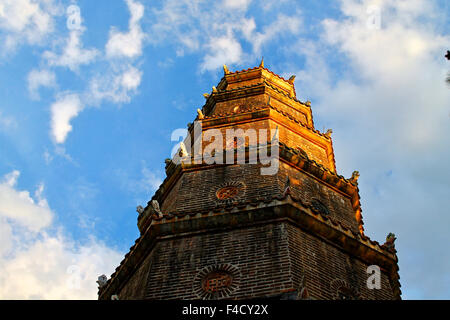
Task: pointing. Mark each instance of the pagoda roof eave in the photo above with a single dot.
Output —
(296, 212)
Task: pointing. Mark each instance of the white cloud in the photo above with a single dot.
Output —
(237, 4)
(26, 21)
(222, 50)
(116, 87)
(127, 44)
(63, 111)
(150, 181)
(40, 78)
(34, 214)
(281, 26)
(131, 79)
(38, 265)
(73, 54)
(54, 267)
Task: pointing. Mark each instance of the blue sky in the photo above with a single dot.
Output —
(86, 115)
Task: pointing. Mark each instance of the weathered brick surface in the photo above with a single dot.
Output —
(322, 263)
(286, 135)
(300, 115)
(295, 140)
(260, 253)
(244, 103)
(241, 84)
(271, 259)
(307, 188)
(135, 288)
(195, 190)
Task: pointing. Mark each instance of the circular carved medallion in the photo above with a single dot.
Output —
(229, 192)
(216, 281)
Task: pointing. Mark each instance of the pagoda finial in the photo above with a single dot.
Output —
(225, 69)
(261, 65)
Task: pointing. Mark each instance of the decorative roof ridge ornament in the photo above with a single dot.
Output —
(355, 176)
(201, 116)
(206, 95)
(292, 79)
(156, 209)
(102, 280)
(390, 242)
(225, 69)
(328, 133)
(214, 89)
(261, 65)
(167, 161)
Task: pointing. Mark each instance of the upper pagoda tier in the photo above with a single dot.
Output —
(257, 98)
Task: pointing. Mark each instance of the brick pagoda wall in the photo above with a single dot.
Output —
(195, 190)
(270, 259)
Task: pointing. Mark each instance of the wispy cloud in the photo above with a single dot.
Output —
(40, 78)
(7, 122)
(26, 21)
(141, 184)
(117, 87)
(220, 32)
(73, 54)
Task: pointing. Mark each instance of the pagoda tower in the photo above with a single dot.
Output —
(225, 229)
